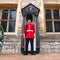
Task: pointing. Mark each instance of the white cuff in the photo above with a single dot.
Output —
(23, 34)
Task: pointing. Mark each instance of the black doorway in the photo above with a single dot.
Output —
(31, 12)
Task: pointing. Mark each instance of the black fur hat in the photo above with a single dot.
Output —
(29, 17)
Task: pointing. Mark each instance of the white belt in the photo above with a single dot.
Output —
(29, 30)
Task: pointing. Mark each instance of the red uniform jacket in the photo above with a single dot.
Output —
(29, 30)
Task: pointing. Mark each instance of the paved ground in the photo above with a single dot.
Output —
(31, 57)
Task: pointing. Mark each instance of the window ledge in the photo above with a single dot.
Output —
(52, 32)
(10, 33)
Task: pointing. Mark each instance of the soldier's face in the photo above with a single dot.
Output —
(29, 21)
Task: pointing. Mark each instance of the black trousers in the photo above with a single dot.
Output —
(31, 42)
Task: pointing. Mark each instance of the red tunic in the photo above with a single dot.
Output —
(29, 30)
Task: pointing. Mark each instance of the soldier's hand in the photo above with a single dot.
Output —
(34, 35)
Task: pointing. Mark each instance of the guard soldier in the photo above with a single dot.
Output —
(29, 34)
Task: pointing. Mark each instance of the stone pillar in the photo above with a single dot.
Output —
(41, 18)
(19, 18)
(19, 24)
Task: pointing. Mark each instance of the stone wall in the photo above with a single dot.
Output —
(11, 45)
(50, 47)
(50, 44)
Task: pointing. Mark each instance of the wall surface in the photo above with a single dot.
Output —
(49, 43)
